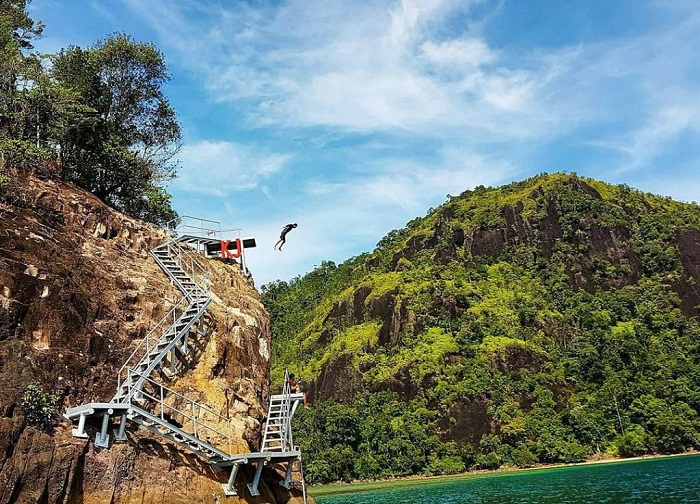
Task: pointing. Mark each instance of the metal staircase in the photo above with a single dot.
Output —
(278, 431)
(171, 334)
(277, 444)
(147, 402)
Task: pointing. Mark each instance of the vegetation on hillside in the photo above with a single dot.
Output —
(98, 116)
(567, 340)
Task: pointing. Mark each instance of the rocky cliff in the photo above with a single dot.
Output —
(78, 290)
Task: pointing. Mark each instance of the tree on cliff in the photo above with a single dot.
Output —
(101, 111)
(122, 148)
(17, 30)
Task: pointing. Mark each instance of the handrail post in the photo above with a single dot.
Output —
(229, 436)
(194, 419)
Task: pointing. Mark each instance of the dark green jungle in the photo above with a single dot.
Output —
(548, 320)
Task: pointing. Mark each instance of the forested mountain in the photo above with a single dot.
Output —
(546, 320)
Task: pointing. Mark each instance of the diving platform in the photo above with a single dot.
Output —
(142, 399)
(214, 247)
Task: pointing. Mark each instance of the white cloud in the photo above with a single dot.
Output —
(176, 26)
(390, 65)
(648, 83)
(368, 67)
(642, 145)
(456, 55)
(221, 168)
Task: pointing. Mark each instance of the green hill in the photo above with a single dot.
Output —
(543, 321)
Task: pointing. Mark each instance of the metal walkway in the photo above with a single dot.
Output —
(142, 398)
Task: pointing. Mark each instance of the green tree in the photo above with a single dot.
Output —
(635, 441)
(122, 146)
(17, 31)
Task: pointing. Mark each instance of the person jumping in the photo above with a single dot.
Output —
(283, 236)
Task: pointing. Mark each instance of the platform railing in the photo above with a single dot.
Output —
(205, 229)
(195, 226)
(199, 420)
(198, 227)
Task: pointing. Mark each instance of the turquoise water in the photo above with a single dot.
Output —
(672, 480)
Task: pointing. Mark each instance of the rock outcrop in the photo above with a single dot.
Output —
(78, 290)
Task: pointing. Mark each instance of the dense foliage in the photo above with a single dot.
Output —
(537, 322)
(96, 116)
(38, 407)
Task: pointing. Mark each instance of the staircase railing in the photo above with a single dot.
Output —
(186, 261)
(201, 421)
(278, 431)
(151, 340)
(286, 437)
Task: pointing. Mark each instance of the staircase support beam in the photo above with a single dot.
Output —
(287, 482)
(173, 363)
(80, 431)
(253, 487)
(228, 488)
(120, 435)
(102, 438)
(185, 339)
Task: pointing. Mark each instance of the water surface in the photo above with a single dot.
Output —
(668, 480)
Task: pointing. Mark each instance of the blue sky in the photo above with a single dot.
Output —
(351, 118)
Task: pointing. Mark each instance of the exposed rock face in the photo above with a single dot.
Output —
(465, 421)
(77, 292)
(687, 286)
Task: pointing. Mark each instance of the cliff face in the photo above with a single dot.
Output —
(77, 292)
